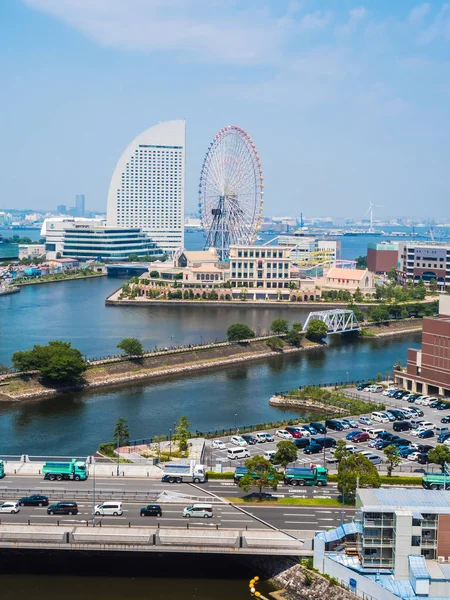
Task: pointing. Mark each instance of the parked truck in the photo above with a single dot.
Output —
(436, 481)
(239, 473)
(75, 469)
(2, 469)
(302, 476)
(184, 473)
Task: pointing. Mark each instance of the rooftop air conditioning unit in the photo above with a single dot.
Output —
(441, 559)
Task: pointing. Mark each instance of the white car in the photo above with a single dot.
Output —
(386, 392)
(348, 447)
(427, 400)
(219, 445)
(237, 440)
(304, 432)
(282, 433)
(9, 507)
(421, 400)
(413, 456)
(427, 425)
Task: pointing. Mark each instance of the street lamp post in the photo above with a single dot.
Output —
(235, 422)
(347, 377)
(118, 457)
(93, 493)
(170, 442)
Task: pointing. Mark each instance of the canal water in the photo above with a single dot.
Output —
(116, 576)
(76, 423)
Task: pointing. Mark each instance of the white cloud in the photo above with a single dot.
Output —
(355, 16)
(419, 12)
(315, 21)
(440, 26)
(209, 30)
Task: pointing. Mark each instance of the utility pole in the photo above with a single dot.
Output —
(93, 493)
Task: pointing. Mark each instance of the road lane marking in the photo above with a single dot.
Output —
(329, 519)
(302, 522)
(296, 515)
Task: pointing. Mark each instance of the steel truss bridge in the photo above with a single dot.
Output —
(337, 320)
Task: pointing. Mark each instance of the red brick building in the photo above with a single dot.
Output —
(382, 257)
(428, 369)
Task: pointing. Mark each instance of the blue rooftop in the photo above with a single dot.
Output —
(401, 498)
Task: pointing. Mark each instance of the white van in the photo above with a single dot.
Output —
(415, 423)
(380, 417)
(376, 389)
(204, 511)
(269, 454)
(374, 433)
(112, 508)
(234, 453)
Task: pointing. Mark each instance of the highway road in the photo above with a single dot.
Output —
(136, 493)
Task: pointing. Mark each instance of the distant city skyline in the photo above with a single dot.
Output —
(347, 101)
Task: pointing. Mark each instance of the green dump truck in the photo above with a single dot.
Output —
(302, 476)
(2, 469)
(436, 481)
(59, 471)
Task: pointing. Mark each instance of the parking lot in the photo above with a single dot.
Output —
(216, 456)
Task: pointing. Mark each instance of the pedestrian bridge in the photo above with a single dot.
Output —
(199, 539)
(337, 320)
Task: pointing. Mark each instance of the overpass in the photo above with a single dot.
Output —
(200, 539)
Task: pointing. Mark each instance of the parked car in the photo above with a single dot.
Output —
(219, 445)
(318, 427)
(443, 406)
(334, 424)
(423, 459)
(427, 433)
(350, 422)
(365, 420)
(405, 452)
(263, 437)
(305, 432)
(9, 507)
(391, 393)
(434, 404)
(294, 431)
(417, 411)
(302, 442)
(362, 386)
(388, 391)
(238, 440)
(399, 395)
(413, 455)
(151, 510)
(250, 439)
(351, 434)
(282, 433)
(361, 436)
(313, 449)
(381, 444)
(374, 459)
(401, 426)
(389, 415)
(445, 419)
(312, 430)
(443, 436)
(412, 398)
(34, 500)
(398, 416)
(344, 424)
(422, 447)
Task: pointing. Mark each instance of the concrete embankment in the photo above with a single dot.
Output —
(162, 364)
(286, 401)
(39, 282)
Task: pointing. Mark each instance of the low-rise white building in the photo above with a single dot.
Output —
(400, 547)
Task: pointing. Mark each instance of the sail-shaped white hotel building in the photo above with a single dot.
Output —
(147, 186)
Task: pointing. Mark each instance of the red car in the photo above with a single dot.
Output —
(294, 431)
(362, 436)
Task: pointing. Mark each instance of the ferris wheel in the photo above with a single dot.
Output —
(231, 191)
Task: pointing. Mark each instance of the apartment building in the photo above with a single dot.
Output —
(428, 368)
(424, 260)
(402, 545)
(267, 267)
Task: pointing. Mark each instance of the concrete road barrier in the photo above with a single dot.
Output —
(190, 537)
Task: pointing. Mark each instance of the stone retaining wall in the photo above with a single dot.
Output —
(287, 402)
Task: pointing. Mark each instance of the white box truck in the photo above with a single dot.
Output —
(184, 473)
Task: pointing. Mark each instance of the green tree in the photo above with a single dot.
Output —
(420, 291)
(182, 434)
(275, 343)
(293, 285)
(439, 456)
(133, 257)
(341, 451)
(239, 331)
(243, 294)
(279, 326)
(294, 337)
(357, 296)
(154, 274)
(58, 361)
(357, 311)
(393, 458)
(392, 274)
(354, 467)
(317, 330)
(131, 346)
(58, 255)
(379, 313)
(433, 286)
(121, 433)
(286, 453)
(261, 474)
(361, 262)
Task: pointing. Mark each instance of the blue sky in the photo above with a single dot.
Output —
(347, 102)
